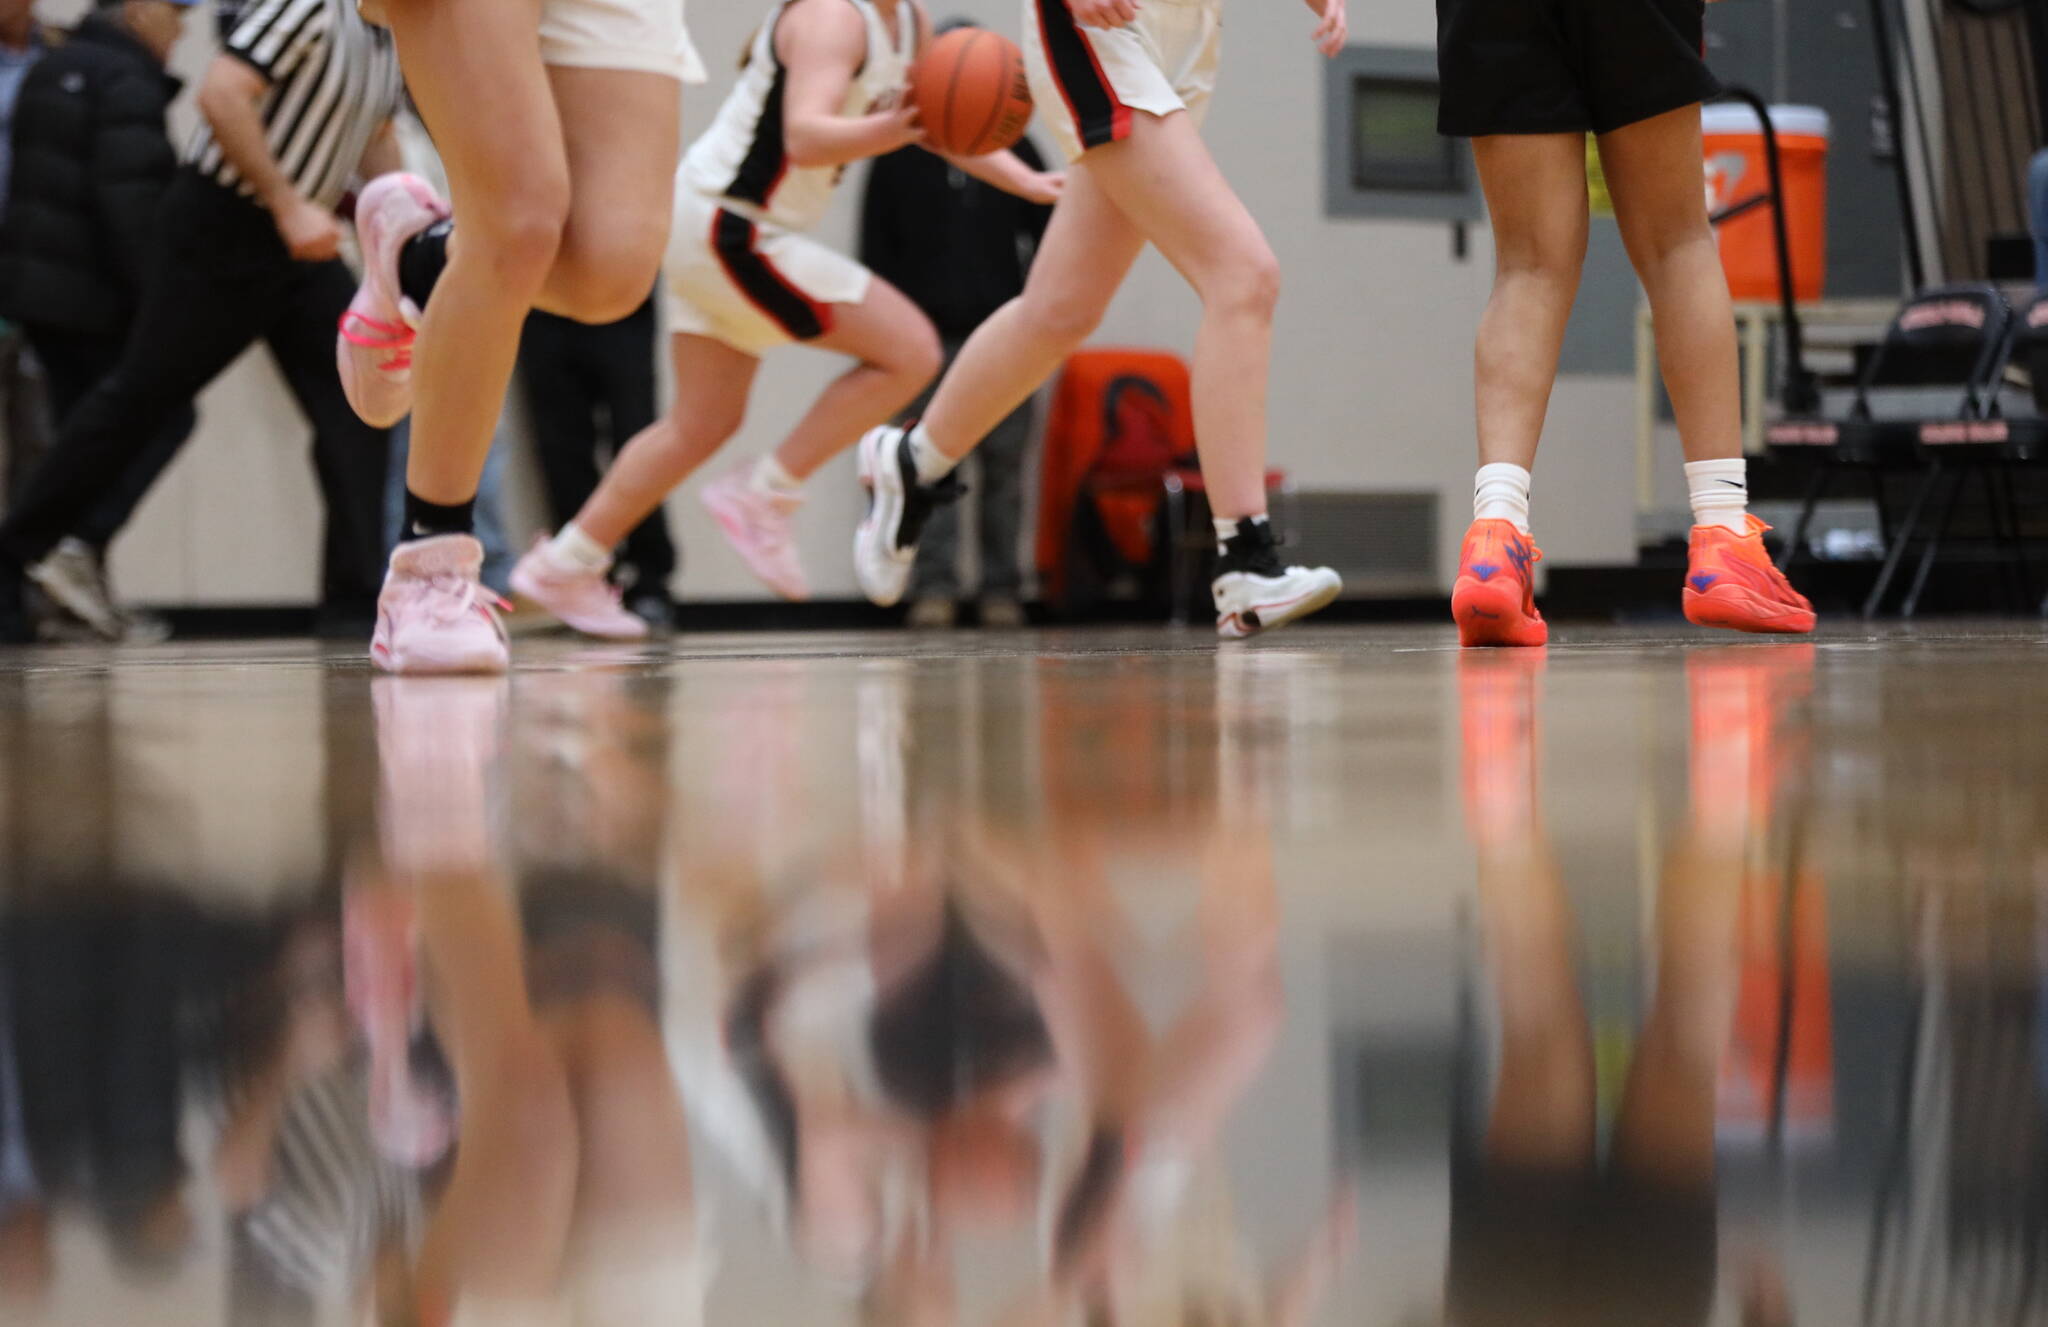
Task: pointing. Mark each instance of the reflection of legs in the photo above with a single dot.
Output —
(500, 1228)
(898, 352)
(1543, 1105)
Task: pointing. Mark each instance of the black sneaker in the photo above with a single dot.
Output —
(1255, 592)
(885, 545)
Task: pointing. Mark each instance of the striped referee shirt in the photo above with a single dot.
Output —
(334, 81)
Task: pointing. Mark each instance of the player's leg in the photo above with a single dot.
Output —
(1535, 188)
(567, 574)
(1653, 169)
(1163, 179)
(622, 130)
(474, 71)
(897, 352)
(1087, 251)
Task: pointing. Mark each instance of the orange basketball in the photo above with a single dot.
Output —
(971, 93)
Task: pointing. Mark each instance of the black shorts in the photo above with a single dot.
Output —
(1567, 66)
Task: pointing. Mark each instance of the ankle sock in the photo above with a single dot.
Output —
(1500, 492)
(1230, 527)
(573, 550)
(932, 464)
(421, 260)
(773, 478)
(424, 520)
(1720, 492)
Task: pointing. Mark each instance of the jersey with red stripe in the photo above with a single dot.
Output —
(743, 161)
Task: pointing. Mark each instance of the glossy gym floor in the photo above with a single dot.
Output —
(1105, 978)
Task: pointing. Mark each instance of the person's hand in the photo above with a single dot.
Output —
(1045, 187)
(1103, 13)
(311, 232)
(1335, 28)
(901, 127)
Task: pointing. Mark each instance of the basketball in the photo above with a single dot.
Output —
(971, 92)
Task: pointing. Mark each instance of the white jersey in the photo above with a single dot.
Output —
(742, 161)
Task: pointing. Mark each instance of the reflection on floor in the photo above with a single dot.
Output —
(1104, 979)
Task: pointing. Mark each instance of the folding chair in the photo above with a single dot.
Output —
(1943, 345)
(2008, 431)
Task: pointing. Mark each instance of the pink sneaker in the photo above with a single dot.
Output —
(584, 600)
(756, 524)
(435, 616)
(374, 346)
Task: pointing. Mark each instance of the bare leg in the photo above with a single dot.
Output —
(712, 384)
(1088, 249)
(1654, 170)
(475, 72)
(1163, 178)
(622, 131)
(1536, 191)
(899, 353)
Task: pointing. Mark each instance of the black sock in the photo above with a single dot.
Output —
(424, 520)
(422, 259)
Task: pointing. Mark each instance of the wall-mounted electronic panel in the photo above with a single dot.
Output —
(1382, 155)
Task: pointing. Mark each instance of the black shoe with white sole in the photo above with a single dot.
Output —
(1255, 592)
(885, 545)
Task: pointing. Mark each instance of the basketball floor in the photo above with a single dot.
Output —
(1104, 977)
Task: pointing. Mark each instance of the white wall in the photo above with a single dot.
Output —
(1371, 384)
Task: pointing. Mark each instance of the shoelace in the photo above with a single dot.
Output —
(375, 334)
(458, 596)
(920, 501)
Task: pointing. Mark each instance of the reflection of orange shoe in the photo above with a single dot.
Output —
(1497, 711)
(1494, 599)
(1731, 582)
(1750, 727)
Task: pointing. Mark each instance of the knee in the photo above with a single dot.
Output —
(1065, 317)
(1248, 285)
(1554, 259)
(522, 235)
(606, 270)
(919, 357)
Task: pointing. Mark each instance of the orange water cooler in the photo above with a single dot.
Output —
(1738, 171)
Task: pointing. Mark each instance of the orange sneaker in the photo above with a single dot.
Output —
(1731, 582)
(1494, 599)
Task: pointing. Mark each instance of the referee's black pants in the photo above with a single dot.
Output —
(221, 281)
(574, 374)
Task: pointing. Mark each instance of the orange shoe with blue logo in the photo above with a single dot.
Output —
(1494, 599)
(1731, 582)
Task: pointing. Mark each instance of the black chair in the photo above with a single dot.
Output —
(2008, 432)
(1946, 342)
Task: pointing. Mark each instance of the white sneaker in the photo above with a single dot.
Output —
(72, 578)
(885, 545)
(1255, 593)
(583, 600)
(373, 348)
(434, 615)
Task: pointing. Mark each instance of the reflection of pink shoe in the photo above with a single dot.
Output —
(757, 525)
(413, 1125)
(374, 347)
(584, 600)
(435, 616)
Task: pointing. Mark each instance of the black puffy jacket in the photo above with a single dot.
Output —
(91, 160)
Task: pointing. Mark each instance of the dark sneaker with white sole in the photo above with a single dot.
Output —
(1255, 592)
(885, 545)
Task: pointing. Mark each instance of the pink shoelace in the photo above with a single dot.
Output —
(376, 334)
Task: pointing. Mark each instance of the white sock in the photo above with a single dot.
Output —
(932, 464)
(773, 478)
(1500, 492)
(573, 550)
(1720, 492)
(1226, 529)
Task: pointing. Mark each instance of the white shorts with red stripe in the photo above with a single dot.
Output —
(750, 284)
(1090, 81)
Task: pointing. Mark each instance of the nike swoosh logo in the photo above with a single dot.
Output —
(1733, 483)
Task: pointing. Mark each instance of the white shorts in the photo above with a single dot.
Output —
(749, 284)
(1088, 81)
(640, 35)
